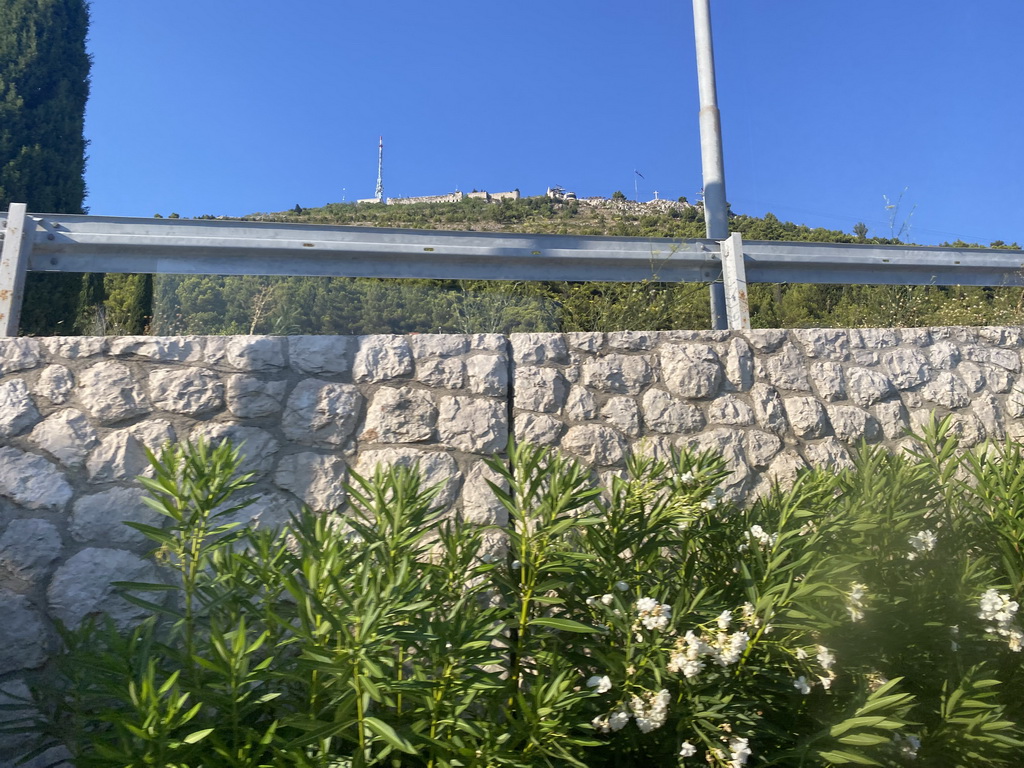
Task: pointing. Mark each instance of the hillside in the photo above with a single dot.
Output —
(340, 305)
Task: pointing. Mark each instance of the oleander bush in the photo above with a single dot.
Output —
(861, 617)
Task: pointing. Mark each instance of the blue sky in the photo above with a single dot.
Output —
(232, 107)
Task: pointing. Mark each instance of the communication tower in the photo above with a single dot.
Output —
(379, 193)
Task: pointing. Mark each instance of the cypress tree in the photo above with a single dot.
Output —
(44, 84)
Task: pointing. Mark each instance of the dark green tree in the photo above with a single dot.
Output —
(617, 195)
(44, 84)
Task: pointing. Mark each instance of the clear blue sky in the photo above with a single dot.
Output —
(232, 107)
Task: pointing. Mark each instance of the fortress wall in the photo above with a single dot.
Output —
(77, 413)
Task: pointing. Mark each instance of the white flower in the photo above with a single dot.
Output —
(724, 620)
(923, 541)
(801, 654)
(600, 684)
(740, 751)
(826, 658)
(1000, 610)
(709, 503)
(761, 536)
(621, 586)
(601, 724)
(618, 719)
(516, 565)
(607, 599)
(687, 750)
(855, 601)
(826, 682)
(802, 685)
(652, 713)
(591, 601)
(653, 615)
(686, 478)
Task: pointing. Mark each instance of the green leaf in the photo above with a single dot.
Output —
(197, 736)
(389, 735)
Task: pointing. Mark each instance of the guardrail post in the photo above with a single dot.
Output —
(14, 266)
(734, 275)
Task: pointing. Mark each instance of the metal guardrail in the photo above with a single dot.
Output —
(66, 243)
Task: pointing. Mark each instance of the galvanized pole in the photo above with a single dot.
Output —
(716, 214)
(17, 245)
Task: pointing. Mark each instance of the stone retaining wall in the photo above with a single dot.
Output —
(76, 414)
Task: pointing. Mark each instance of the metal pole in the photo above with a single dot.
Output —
(716, 215)
(13, 266)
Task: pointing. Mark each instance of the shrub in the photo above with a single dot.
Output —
(862, 617)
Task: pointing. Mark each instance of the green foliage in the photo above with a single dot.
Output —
(866, 617)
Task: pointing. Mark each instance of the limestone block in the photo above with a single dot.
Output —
(67, 435)
(435, 468)
(315, 478)
(657, 447)
(892, 418)
(622, 374)
(382, 357)
(19, 354)
(691, 370)
(1004, 358)
(873, 338)
(121, 454)
(256, 447)
(99, 518)
(766, 339)
(988, 409)
(768, 408)
(320, 354)
(739, 364)
(472, 424)
(537, 428)
(1001, 336)
(944, 355)
(760, 447)
(263, 510)
(535, 348)
(783, 470)
(22, 634)
(631, 340)
(967, 428)
(998, 379)
(867, 387)
(973, 376)
(807, 417)
(110, 393)
(829, 380)
(249, 397)
(585, 342)
(539, 389)
(852, 424)
(579, 404)
(321, 413)
(400, 415)
(1015, 403)
(947, 389)
(824, 343)
(829, 453)
(479, 504)
(864, 357)
(188, 391)
(28, 548)
(443, 373)
(727, 443)
(623, 413)
(595, 444)
(82, 586)
(164, 349)
(75, 347)
(787, 370)
(17, 410)
(907, 368)
(731, 410)
(663, 413)
(487, 375)
(426, 345)
(488, 342)
(916, 337)
(250, 354)
(55, 383)
(32, 481)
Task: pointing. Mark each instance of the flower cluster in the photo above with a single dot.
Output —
(759, 535)
(922, 541)
(855, 603)
(600, 684)
(615, 721)
(650, 710)
(1000, 611)
(691, 650)
(652, 614)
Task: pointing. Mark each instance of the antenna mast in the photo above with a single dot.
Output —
(379, 194)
